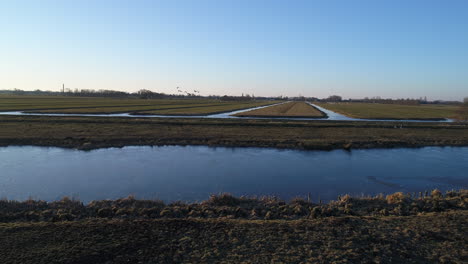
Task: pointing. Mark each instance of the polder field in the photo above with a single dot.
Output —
(427, 227)
(400, 228)
(102, 132)
(393, 111)
(93, 105)
(289, 109)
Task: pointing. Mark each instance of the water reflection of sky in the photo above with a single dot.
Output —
(193, 173)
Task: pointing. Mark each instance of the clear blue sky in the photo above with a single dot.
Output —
(393, 48)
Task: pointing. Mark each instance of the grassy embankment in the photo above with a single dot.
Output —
(97, 132)
(290, 109)
(93, 105)
(392, 111)
(399, 228)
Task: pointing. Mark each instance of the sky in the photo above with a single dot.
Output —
(356, 49)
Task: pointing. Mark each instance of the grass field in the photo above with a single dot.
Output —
(92, 105)
(96, 132)
(395, 229)
(392, 111)
(289, 109)
(206, 109)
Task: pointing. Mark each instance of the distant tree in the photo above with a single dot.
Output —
(147, 94)
(465, 100)
(334, 98)
(246, 97)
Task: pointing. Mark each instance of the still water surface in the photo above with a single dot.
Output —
(193, 173)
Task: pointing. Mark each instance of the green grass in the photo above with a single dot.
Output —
(290, 109)
(92, 105)
(392, 111)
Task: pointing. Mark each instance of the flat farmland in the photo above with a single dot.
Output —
(37, 103)
(290, 109)
(92, 105)
(392, 111)
(104, 132)
(206, 108)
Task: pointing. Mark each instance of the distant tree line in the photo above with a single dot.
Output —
(148, 94)
(95, 93)
(407, 101)
(379, 100)
(334, 98)
(237, 98)
(143, 93)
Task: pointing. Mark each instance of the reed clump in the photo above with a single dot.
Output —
(228, 206)
(396, 198)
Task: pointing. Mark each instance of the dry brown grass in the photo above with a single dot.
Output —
(226, 205)
(95, 132)
(392, 111)
(395, 198)
(290, 109)
(97, 105)
(227, 229)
